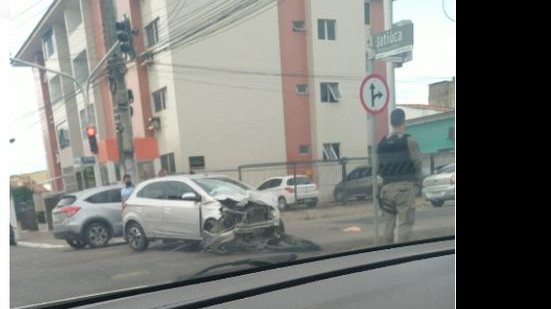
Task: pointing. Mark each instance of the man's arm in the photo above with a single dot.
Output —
(415, 156)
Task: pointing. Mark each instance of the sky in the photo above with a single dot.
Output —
(434, 58)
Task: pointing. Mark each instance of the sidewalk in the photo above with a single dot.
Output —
(40, 239)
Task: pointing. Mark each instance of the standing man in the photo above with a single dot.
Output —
(162, 172)
(400, 168)
(128, 187)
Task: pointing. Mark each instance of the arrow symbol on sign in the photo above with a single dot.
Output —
(374, 95)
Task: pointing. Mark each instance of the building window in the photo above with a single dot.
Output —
(326, 29)
(167, 163)
(366, 12)
(152, 33)
(84, 122)
(55, 89)
(304, 149)
(298, 26)
(159, 100)
(146, 170)
(63, 135)
(302, 89)
(451, 133)
(48, 43)
(73, 16)
(196, 163)
(330, 92)
(80, 66)
(331, 151)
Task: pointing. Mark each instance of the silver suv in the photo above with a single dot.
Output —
(89, 218)
(215, 211)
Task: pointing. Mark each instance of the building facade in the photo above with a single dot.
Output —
(216, 84)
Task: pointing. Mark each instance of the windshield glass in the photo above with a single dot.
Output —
(214, 186)
(144, 135)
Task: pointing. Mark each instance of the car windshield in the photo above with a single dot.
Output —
(299, 181)
(150, 140)
(217, 186)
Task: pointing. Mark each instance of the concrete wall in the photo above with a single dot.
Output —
(342, 61)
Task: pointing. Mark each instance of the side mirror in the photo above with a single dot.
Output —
(191, 196)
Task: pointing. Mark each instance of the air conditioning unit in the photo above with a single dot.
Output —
(298, 26)
(154, 123)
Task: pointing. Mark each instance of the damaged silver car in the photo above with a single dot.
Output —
(215, 212)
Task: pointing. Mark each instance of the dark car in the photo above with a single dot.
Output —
(13, 241)
(356, 185)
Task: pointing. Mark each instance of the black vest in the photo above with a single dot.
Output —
(395, 163)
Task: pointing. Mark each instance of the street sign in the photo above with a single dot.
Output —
(374, 94)
(397, 40)
(84, 161)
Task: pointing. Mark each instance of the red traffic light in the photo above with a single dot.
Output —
(91, 131)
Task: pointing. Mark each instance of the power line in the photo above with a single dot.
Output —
(22, 12)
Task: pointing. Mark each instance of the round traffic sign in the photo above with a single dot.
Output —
(374, 94)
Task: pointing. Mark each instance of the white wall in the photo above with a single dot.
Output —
(343, 122)
(228, 118)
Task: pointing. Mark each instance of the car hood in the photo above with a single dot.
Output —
(241, 199)
(438, 179)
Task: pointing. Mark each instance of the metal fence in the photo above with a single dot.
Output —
(327, 174)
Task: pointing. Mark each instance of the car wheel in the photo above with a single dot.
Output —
(97, 234)
(339, 195)
(313, 203)
(136, 237)
(282, 203)
(76, 243)
(437, 203)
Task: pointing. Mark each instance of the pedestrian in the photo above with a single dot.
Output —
(162, 172)
(400, 168)
(128, 187)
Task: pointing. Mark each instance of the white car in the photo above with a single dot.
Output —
(440, 187)
(284, 188)
(211, 210)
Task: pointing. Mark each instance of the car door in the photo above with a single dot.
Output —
(114, 210)
(365, 182)
(352, 185)
(181, 219)
(148, 206)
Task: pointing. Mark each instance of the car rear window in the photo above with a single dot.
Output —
(66, 201)
(300, 181)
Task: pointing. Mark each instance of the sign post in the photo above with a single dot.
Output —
(374, 96)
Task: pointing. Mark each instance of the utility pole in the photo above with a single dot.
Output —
(121, 33)
(122, 114)
(387, 9)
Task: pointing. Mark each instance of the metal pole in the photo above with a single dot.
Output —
(295, 178)
(372, 138)
(374, 172)
(387, 7)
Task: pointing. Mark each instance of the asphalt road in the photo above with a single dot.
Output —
(38, 275)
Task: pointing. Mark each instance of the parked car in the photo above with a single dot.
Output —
(440, 187)
(284, 188)
(89, 218)
(13, 241)
(211, 210)
(358, 184)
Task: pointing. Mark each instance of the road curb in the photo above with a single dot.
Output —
(39, 245)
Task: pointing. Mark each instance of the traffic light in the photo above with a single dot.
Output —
(91, 132)
(125, 35)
